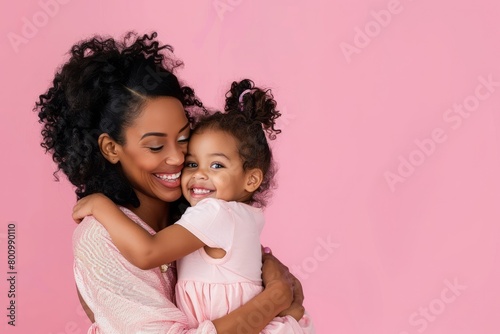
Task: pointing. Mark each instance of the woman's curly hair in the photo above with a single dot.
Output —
(101, 89)
(250, 115)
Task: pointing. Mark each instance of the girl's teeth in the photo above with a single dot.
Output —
(169, 177)
(200, 191)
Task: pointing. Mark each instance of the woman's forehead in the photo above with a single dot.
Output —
(162, 114)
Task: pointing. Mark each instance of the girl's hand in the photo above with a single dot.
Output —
(87, 206)
(275, 274)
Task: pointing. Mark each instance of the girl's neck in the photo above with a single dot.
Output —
(153, 212)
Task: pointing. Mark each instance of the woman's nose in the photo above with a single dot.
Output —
(175, 156)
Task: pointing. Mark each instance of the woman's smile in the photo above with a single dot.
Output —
(169, 180)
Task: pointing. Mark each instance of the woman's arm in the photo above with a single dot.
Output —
(142, 249)
(262, 309)
(258, 315)
(258, 312)
(293, 319)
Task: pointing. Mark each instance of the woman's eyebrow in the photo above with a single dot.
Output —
(161, 134)
(157, 134)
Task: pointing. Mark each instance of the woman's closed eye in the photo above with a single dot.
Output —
(183, 140)
(155, 148)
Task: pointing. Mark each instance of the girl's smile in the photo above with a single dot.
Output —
(213, 168)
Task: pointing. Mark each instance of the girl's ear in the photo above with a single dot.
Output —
(254, 179)
(109, 148)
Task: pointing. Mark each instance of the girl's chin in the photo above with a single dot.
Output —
(194, 200)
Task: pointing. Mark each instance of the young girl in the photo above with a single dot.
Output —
(227, 175)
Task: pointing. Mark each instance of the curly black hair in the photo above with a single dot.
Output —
(101, 89)
(250, 115)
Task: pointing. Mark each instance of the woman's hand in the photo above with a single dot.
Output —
(87, 206)
(295, 310)
(276, 273)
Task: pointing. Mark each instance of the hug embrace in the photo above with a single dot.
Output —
(170, 195)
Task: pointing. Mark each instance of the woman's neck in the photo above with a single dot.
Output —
(153, 212)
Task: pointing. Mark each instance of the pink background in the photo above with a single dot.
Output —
(367, 89)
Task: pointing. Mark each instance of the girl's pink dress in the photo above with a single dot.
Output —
(209, 288)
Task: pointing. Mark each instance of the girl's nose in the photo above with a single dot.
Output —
(200, 175)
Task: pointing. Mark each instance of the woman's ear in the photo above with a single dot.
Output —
(254, 179)
(108, 148)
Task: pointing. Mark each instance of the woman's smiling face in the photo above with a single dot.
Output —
(155, 146)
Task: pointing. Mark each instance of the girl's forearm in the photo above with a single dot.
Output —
(138, 246)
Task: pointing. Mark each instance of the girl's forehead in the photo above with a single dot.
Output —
(207, 141)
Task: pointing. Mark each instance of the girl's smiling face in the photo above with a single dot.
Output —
(214, 168)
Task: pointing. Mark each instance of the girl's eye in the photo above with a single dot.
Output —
(216, 165)
(156, 149)
(190, 164)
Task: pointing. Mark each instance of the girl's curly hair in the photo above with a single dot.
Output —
(101, 89)
(250, 115)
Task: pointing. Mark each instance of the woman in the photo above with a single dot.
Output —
(115, 123)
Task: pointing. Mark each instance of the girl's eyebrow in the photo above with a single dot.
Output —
(219, 155)
(161, 134)
(188, 154)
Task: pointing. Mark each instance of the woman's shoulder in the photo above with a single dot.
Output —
(91, 232)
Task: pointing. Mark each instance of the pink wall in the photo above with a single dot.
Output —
(389, 154)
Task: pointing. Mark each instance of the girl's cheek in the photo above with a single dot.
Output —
(185, 176)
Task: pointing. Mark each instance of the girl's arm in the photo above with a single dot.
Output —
(140, 248)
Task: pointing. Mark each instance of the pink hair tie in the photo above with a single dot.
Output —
(243, 93)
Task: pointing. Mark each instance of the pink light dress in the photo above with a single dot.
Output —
(209, 288)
